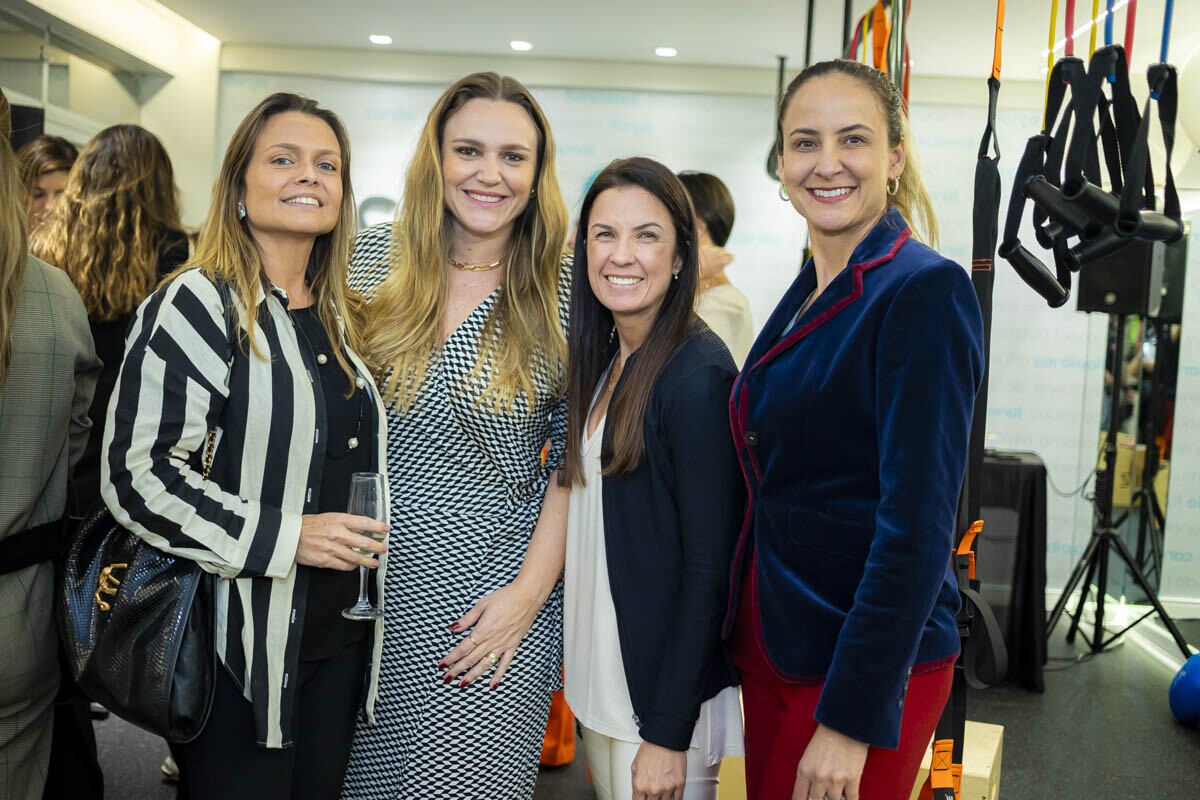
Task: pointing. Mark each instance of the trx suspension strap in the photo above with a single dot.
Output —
(984, 657)
(886, 24)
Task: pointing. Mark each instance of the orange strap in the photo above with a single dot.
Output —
(941, 765)
(968, 541)
(881, 33)
(998, 46)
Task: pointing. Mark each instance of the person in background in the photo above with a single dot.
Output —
(295, 414)
(656, 498)
(116, 232)
(466, 330)
(843, 614)
(45, 162)
(48, 371)
(718, 302)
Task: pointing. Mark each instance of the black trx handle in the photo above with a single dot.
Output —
(1028, 266)
(1135, 217)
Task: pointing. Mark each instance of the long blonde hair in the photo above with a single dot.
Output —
(226, 250)
(12, 237)
(119, 208)
(911, 198)
(523, 328)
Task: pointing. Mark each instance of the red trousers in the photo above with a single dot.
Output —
(779, 722)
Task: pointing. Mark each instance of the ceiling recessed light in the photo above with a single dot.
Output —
(517, 44)
(380, 38)
(666, 52)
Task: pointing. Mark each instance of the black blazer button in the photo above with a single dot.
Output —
(751, 438)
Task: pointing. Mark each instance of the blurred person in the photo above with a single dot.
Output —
(48, 371)
(719, 303)
(656, 498)
(45, 163)
(116, 232)
(851, 423)
(470, 290)
(295, 414)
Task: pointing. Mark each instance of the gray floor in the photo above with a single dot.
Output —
(1101, 730)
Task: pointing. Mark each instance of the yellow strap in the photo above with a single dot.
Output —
(1095, 25)
(1050, 60)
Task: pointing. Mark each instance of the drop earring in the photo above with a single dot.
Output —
(241, 210)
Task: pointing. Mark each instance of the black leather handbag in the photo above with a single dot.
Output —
(137, 627)
(137, 624)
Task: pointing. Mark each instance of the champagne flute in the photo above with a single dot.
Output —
(367, 500)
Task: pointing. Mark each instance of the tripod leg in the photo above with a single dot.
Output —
(1083, 596)
(1083, 564)
(1102, 589)
(1169, 623)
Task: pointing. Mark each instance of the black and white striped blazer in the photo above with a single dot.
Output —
(181, 377)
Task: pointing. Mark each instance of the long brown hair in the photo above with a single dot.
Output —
(523, 329)
(120, 206)
(591, 347)
(44, 155)
(226, 249)
(911, 198)
(12, 237)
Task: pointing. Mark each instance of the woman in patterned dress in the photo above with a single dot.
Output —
(469, 292)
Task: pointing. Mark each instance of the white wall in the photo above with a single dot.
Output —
(183, 112)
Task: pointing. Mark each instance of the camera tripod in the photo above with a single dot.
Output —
(1105, 538)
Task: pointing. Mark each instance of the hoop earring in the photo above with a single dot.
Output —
(783, 195)
(893, 186)
(241, 210)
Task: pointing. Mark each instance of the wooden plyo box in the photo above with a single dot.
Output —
(981, 763)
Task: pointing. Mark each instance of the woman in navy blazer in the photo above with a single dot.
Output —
(656, 498)
(850, 420)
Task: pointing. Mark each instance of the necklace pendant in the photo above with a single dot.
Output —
(352, 443)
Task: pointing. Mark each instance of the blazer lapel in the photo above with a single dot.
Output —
(879, 247)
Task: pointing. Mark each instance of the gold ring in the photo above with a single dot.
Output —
(493, 658)
(472, 638)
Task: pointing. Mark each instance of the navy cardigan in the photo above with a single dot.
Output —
(851, 431)
(669, 531)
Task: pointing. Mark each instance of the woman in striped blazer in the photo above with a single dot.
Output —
(296, 413)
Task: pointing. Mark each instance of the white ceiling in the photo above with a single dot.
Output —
(947, 37)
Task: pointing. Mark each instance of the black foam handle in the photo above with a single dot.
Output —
(1100, 205)
(1034, 273)
(1103, 245)
(1149, 226)
(1050, 199)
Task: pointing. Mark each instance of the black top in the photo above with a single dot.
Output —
(110, 347)
(326, 632)
(669, 529)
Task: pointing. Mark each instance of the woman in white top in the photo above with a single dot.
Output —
(655, 497)
(719, 303)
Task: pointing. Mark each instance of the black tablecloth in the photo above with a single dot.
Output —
(1011, 558)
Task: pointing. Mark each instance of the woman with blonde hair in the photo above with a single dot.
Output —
(47, 373)
(45, 162)
(116, 232)
(252, 346)
(843, 610)
(465, 330)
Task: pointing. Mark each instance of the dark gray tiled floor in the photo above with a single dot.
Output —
(1101, 730)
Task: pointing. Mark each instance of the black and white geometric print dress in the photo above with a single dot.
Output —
(466, 491)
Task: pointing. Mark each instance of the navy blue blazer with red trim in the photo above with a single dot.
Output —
(852, 431)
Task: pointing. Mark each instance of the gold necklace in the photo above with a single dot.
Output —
(614, 375)
(475, 267)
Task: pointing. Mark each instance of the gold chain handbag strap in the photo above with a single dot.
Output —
(210, 449)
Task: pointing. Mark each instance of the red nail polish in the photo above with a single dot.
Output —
(462, 685)
(441, 665)
(454, 627)
(448, 678)
(492, 686)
